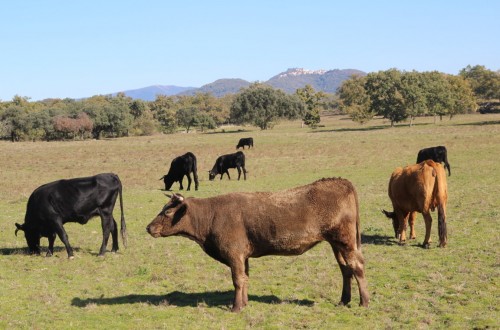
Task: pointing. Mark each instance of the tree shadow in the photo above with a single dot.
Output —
(229, 131)
(481, 123)
(182, 299)
(377, 239)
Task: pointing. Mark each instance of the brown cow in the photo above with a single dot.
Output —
(235, 227)
(418, 188)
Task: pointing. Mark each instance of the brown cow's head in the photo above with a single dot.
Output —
(165, 222)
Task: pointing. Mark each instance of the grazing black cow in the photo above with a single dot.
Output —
(437, 154)
(74, 200)
(245, 142)
(180, 166)
(224, 162)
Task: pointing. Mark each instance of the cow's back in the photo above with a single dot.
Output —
(72, 199)
(287, 222)
(411, 187)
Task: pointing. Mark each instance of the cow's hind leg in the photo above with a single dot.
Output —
(346, 277)
(411, 222)
(351, 263)
(428, 225)
(108, 227)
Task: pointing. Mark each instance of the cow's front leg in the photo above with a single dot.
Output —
(180, 183)
(64, 238)
(240, 282)
(52, 238)
(189, 181)
(402, 220)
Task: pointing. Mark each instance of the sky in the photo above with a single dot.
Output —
(81, 48)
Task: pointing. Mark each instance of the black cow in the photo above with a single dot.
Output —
(437, 154)
(180, 166)
(74, 200)
(224, 162)
(245, 142)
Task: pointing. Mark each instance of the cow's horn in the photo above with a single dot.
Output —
(169, 196)
(18, 227)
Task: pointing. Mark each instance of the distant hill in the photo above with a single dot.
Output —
(220, 87)
(321, 80)
(289, 81)
(149, 93)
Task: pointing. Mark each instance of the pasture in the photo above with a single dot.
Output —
(171, 283)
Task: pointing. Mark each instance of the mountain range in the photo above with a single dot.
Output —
(289, 81)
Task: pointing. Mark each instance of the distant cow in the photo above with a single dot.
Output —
(225, 162)
(74, 200)
(437, 154)
(245, 142)
(235, 227)
(418, 188)
(180, 166)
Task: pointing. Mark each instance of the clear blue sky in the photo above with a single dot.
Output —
(71, 48)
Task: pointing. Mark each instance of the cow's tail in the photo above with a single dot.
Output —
(440, 197)
(123, 229)
(358, 226)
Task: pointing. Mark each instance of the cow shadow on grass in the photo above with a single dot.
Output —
(378, 239)
(25, 251)
(182, 299)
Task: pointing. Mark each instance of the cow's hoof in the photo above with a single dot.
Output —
(236, 309)
(71, 257)
(426, 246)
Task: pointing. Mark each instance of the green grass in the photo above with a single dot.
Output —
(171, 283)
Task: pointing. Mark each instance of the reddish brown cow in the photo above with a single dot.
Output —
(418, 188)
(235, 227)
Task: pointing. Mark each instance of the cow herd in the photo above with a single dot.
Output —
(234, 227)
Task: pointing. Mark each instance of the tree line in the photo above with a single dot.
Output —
(399, 96)
(393, 94)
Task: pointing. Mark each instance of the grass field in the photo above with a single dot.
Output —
(171, 283)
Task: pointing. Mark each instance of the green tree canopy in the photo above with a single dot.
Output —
(386, 95)
(312, 101)
(484, 83)
(354, 100)
(263, 106)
